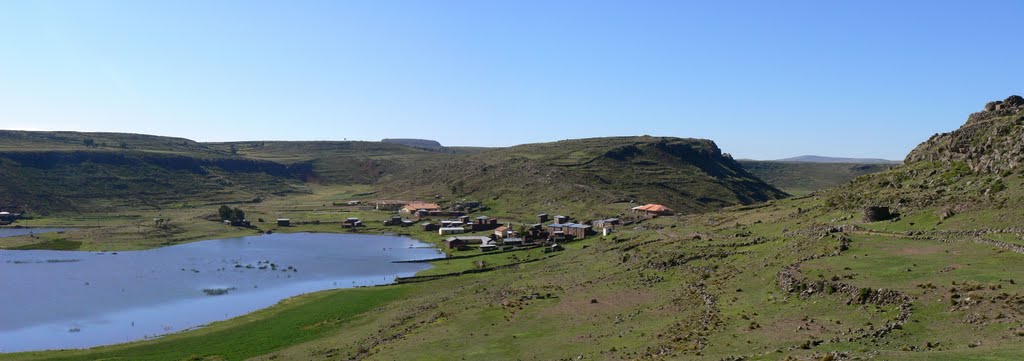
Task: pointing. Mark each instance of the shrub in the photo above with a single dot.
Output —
(864, 294)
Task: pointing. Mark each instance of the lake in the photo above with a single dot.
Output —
(13, 232)
(73, 299)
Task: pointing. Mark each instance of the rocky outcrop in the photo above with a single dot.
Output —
(1012, 102)
(991, 141)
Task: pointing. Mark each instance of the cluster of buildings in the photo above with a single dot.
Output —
(547, 231)
(461, 224)
(287, 222)
(421, 209)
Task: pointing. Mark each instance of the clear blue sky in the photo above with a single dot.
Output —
(764, 79)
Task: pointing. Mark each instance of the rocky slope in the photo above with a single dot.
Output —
(975, 165)
(991, 141)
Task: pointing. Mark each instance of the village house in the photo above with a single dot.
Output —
(542, 218)
(418, 208)
(284, 222)
(607, 223)
(561, 219)
(448, 223)
(450, 230)
(484, 223)
(351, 223)
(606, 226)
(570, 230)
(535, 233)
(389, 205)
(398, 221)
(513, 241)
(577, 230)
(653, 210)
(455, 243)
(429, 227)
(505, 231)
(461, 241)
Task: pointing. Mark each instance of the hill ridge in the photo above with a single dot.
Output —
(691, 175)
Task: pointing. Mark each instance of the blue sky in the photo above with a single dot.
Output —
(764, 79)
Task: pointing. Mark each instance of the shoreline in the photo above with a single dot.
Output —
(252, 298)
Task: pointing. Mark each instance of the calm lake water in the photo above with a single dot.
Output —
(65, 299)
(13, 232)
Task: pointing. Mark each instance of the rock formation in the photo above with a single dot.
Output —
(991, 141)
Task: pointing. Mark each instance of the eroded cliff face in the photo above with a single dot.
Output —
(992, 141)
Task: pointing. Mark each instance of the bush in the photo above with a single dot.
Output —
(224, 212)
(228, 214)
(864, 294)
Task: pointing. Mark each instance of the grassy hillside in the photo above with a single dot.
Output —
(689, 175)
(68, 172)
(83, 172)
(801, 178)
(794, 279)
(336, 162)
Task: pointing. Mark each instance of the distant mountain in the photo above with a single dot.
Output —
(800, 178)
(415, 143)
(823, 159)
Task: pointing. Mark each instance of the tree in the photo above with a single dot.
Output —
(238, 215)
(225, 212)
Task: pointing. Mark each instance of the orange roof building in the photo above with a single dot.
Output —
(653, 209)
(412, 207)
(504, 231)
